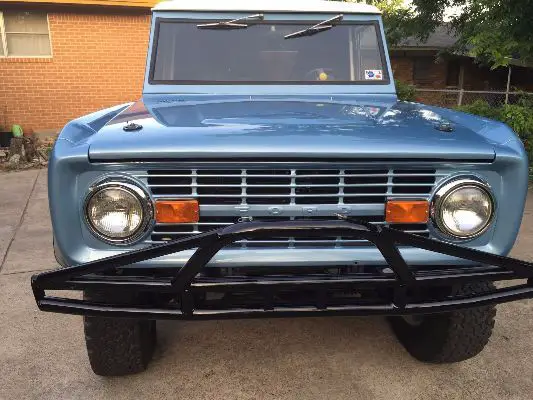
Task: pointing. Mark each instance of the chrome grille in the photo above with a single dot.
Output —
(290, 186)
(220, 191)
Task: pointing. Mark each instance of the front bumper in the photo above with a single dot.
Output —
(396, 290)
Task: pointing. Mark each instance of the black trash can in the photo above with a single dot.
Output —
(5, 138)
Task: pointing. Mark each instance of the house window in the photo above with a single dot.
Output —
(452, 75)
(24, 34)
(422, 70)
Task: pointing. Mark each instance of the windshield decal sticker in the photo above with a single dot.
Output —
(373, 74)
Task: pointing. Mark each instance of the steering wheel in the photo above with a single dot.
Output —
(320, 74)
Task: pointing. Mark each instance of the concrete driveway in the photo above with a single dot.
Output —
(43, 355)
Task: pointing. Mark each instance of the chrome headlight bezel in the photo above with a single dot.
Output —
(446, 190)
(132, 188)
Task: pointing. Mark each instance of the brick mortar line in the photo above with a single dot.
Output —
(21, 221)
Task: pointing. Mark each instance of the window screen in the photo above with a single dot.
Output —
(422, 70)
(25, 34)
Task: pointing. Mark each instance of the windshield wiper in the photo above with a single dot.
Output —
(233, 24)
(320, 27)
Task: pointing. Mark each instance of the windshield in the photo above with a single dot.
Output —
(265, 52)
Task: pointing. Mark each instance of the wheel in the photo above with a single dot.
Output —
(448, 337)
(117, 346)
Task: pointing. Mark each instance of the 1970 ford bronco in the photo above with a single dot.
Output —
(269, 170)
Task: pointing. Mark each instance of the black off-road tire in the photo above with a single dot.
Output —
(118, 346)
(448, 337)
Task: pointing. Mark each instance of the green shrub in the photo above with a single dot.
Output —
(520, 119)
(518, 116)
(481, 108)
(524, 99)
(405, 91)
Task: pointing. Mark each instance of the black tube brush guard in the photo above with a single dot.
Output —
(187, 285)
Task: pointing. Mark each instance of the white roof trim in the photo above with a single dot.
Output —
(297, 6)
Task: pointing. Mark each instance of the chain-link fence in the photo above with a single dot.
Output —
(454, 97)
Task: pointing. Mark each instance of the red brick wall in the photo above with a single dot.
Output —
(98, 61)
(402, 69)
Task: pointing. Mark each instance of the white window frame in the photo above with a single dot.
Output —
(3, 39)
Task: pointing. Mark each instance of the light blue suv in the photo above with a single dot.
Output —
(269, 170)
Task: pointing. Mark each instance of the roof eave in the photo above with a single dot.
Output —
(138, 4)
(294, 6)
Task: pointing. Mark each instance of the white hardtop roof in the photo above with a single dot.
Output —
(297, 6)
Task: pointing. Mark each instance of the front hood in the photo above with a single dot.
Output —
(270, 128)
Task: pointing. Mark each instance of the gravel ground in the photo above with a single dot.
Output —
(43, 355)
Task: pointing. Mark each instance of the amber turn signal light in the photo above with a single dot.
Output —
(407, 212)
(177, 211)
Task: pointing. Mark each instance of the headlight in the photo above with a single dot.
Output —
(117, 212)
(463, 208)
